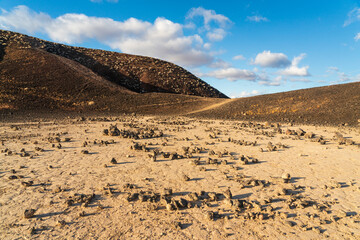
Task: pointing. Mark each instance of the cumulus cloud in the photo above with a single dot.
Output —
(219, 63)
(214, 24)
(233, 74)
(264, 80)
(257, 18)
(238, 57)
(353, 16)
(273, 60)
(208, 16)
(162, 39)
(357, 37)
(217, 34)
(294, 69)
(22, 18)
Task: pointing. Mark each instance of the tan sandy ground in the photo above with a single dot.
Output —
(328, 212)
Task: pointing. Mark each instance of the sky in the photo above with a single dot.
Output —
(243, 48)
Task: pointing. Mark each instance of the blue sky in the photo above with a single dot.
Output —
(242, 48)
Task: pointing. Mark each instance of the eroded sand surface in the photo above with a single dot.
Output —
(87, 195)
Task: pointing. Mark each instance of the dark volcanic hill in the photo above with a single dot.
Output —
(136, 73)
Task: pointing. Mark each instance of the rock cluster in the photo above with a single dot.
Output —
(342, 140)
(143, 133)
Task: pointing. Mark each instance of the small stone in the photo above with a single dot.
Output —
(170, 207)
(27, 184)
(286, 177)
(29, 213)
(209, 215)
(283, 215)
(261, 216)
(69, 202)
(84, 151)
(228, 194)
(57, 189)
(193, 196)
(61, 222)
(176, 225)
(317, 230)
(152, 207)
(32, 231)
(185, 177)
(167, 192)
(290, 223)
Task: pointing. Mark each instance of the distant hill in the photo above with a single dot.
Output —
(336, 104)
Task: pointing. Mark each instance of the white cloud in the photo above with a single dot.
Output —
(22, 18)
(270, 83)
(218, 63)
(208, 16)
(332, 69)
(353, 16)
(357, 37)
(207, 46)
(356, 78)
(214, 24)
(162, 39)
(273, 60)
(303, 80)
(233, 74)
(257, 18)
(264, 80)
(238, 57)
(217, 34)
(246, 94)
(342, 77)
(294, 69)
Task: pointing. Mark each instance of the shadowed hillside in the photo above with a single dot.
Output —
(77, 80)
(35, 80)
(136, 73)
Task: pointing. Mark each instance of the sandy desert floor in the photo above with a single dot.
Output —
(178, 178)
